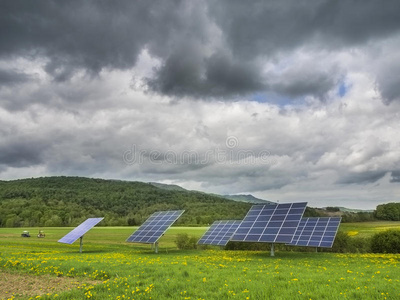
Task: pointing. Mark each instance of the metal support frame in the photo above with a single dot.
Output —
(272, 249)
(156, 247)
(80, 244)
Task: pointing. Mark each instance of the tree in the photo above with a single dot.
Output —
(54, 221)
(389, 211)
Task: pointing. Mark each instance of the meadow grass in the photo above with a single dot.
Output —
(367, 229)
(115, 269)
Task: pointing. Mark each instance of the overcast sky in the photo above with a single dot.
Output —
(286, 100)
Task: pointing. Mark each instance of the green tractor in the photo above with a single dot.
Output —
(25, 233)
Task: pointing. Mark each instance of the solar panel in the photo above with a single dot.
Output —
(219, 233)
(271, 223)
(154, 227)
(79, 231)
(316, 232)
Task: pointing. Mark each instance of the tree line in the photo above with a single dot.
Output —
(68, 201)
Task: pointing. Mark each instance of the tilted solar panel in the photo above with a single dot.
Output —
(316, 232)
(80, 230)
(155, 226)
(219, 233)
(271, 223)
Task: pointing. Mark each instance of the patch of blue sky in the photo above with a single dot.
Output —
(343, 88)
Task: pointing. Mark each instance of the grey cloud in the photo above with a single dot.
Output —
(188, 72)
(22, 152)
(265, 27)
(354, 22)
(92, 143)
(206, 48)
(85, 152)
(12, 77)
(388, 81)
(362, 177)
(58, 96)
(302, 82)
(91, 35)
(395, 176)
(247, 183)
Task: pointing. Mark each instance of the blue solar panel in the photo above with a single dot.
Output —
(79, 231)
(316, 232)
(219, 233)
(271, 223)
(155, 226)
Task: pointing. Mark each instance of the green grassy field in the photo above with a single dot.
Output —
(110, 268)
(367, 229)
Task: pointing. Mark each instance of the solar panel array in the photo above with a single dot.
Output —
(80, 230)
(219, 233)
(316, 232)
(273, 223)
(154, 227)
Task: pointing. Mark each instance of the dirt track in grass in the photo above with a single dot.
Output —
(25, 285)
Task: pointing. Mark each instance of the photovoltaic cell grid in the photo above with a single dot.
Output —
(219, 233)
(79, 231)
(271, 223)
(154, 227)
(316, 232)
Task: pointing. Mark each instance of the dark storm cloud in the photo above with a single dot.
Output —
(206, 48)
(22, 152)
(265, 27)
(12, 77)
(74, 34)
(395, 176)
(362, 178)
(262, 30)
(301, 82)
(270, 28)
(188, 73)
(388, 82)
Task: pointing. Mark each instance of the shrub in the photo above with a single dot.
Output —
(332, 208)
(386, 242)
(360, 244)
(341, 243)
(346, 244)
(183, 241)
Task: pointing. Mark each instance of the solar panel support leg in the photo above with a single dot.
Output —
(156, 247)
(80, 244)
(316, 249)
(272, 250)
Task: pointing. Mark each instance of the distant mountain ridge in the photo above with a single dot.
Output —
(353, 210)
(247, 198)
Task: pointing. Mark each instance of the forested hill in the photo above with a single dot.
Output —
(67, 201)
